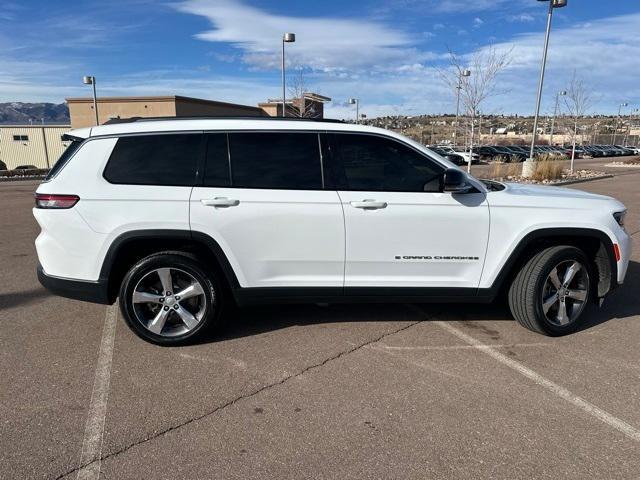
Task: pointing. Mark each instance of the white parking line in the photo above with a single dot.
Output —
(465, 347)
(94, 428)
(558, 390)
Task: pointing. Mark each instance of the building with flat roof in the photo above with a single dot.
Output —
(37, 145)
(82, 112)
(310, 105)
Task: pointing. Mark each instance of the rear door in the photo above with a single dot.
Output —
(263, 201)
(401, 229)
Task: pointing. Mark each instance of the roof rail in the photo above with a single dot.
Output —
(159, 119)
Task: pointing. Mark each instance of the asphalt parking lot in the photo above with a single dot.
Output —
(340, 391)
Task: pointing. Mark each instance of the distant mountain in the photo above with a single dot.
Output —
(26, 113)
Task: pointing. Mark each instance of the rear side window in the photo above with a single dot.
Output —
(278, 160)
(170, 159)
(64, 158)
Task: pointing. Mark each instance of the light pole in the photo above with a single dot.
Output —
(286, 38)
(552, 4)
(91, 80)
(615, 128)
(463, 73)
(555, 112)
(356, 102)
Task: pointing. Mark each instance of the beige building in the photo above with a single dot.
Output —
(37, 145)
(83, 115)
(310, 105)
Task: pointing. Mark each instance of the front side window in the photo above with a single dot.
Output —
(168, 159)
(375, 163)
(277, 160)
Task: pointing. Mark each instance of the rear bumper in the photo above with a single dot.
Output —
(94, 292)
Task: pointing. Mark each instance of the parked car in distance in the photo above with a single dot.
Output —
(475, 158)
(3, 166)
(179, 219)
(26, 167)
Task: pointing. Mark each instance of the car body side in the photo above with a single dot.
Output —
(82, 244)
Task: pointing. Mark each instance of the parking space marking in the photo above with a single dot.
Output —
(94, 428)
(558, 390)
(465, 347)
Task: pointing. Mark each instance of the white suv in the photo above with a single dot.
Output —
(181, 219)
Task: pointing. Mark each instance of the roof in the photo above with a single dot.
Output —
(165, 98)
(316, 97)
(211, 124)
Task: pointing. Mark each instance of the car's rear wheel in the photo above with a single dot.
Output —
(551, 291)
(169, 299)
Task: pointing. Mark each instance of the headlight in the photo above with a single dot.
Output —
(619, 216)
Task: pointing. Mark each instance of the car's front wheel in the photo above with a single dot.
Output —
(549, 294)
(168, 299)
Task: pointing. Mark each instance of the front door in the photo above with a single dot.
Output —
(401, 229)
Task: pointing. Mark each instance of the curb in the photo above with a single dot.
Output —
(581, 180)
(22, 179)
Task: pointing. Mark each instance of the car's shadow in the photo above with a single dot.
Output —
(622, 303)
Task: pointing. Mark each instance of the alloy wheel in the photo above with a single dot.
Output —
(565, 291)
(169, 302)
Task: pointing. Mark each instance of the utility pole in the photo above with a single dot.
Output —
(555, 112)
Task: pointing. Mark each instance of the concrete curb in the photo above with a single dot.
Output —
(581, 180)
(22, 179)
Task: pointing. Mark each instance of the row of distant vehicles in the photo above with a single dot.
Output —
(519, 153)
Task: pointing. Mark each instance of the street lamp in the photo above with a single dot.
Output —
(286, 38)
(356, 102)
(463, 73)
(615, 129)
(552, 4)
(555, 112)
(90, 80)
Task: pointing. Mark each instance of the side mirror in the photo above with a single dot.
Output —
(455, 181)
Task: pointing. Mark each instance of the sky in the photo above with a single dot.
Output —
(387, 53)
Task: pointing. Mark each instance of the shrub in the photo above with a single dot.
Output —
(547, 170)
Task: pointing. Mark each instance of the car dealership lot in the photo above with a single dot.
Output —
(340, 391)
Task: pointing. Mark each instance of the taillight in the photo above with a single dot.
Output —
(47, 200)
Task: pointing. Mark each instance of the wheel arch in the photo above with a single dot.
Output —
(596, 244)
(132, 246)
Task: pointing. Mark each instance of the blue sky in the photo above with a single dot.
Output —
(385, 52)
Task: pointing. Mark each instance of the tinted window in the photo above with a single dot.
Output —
(155, 160)
(216, 170)
(64, 158)
(275, 160)
(369, 162)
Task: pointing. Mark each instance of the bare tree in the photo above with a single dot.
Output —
(578, 100)
(297, 88)
(485, 65)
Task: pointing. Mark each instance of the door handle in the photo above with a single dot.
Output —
(220, 202)
(369, 204)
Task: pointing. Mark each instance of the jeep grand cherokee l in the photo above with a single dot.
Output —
(180, 219)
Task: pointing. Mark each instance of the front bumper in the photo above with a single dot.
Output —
(94, 292)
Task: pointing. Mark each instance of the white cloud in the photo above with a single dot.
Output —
(522, 17)
(477, 22)
(605, 53)
(323, 43)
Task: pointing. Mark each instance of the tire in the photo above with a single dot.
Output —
(163, 317)
(546, 304)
